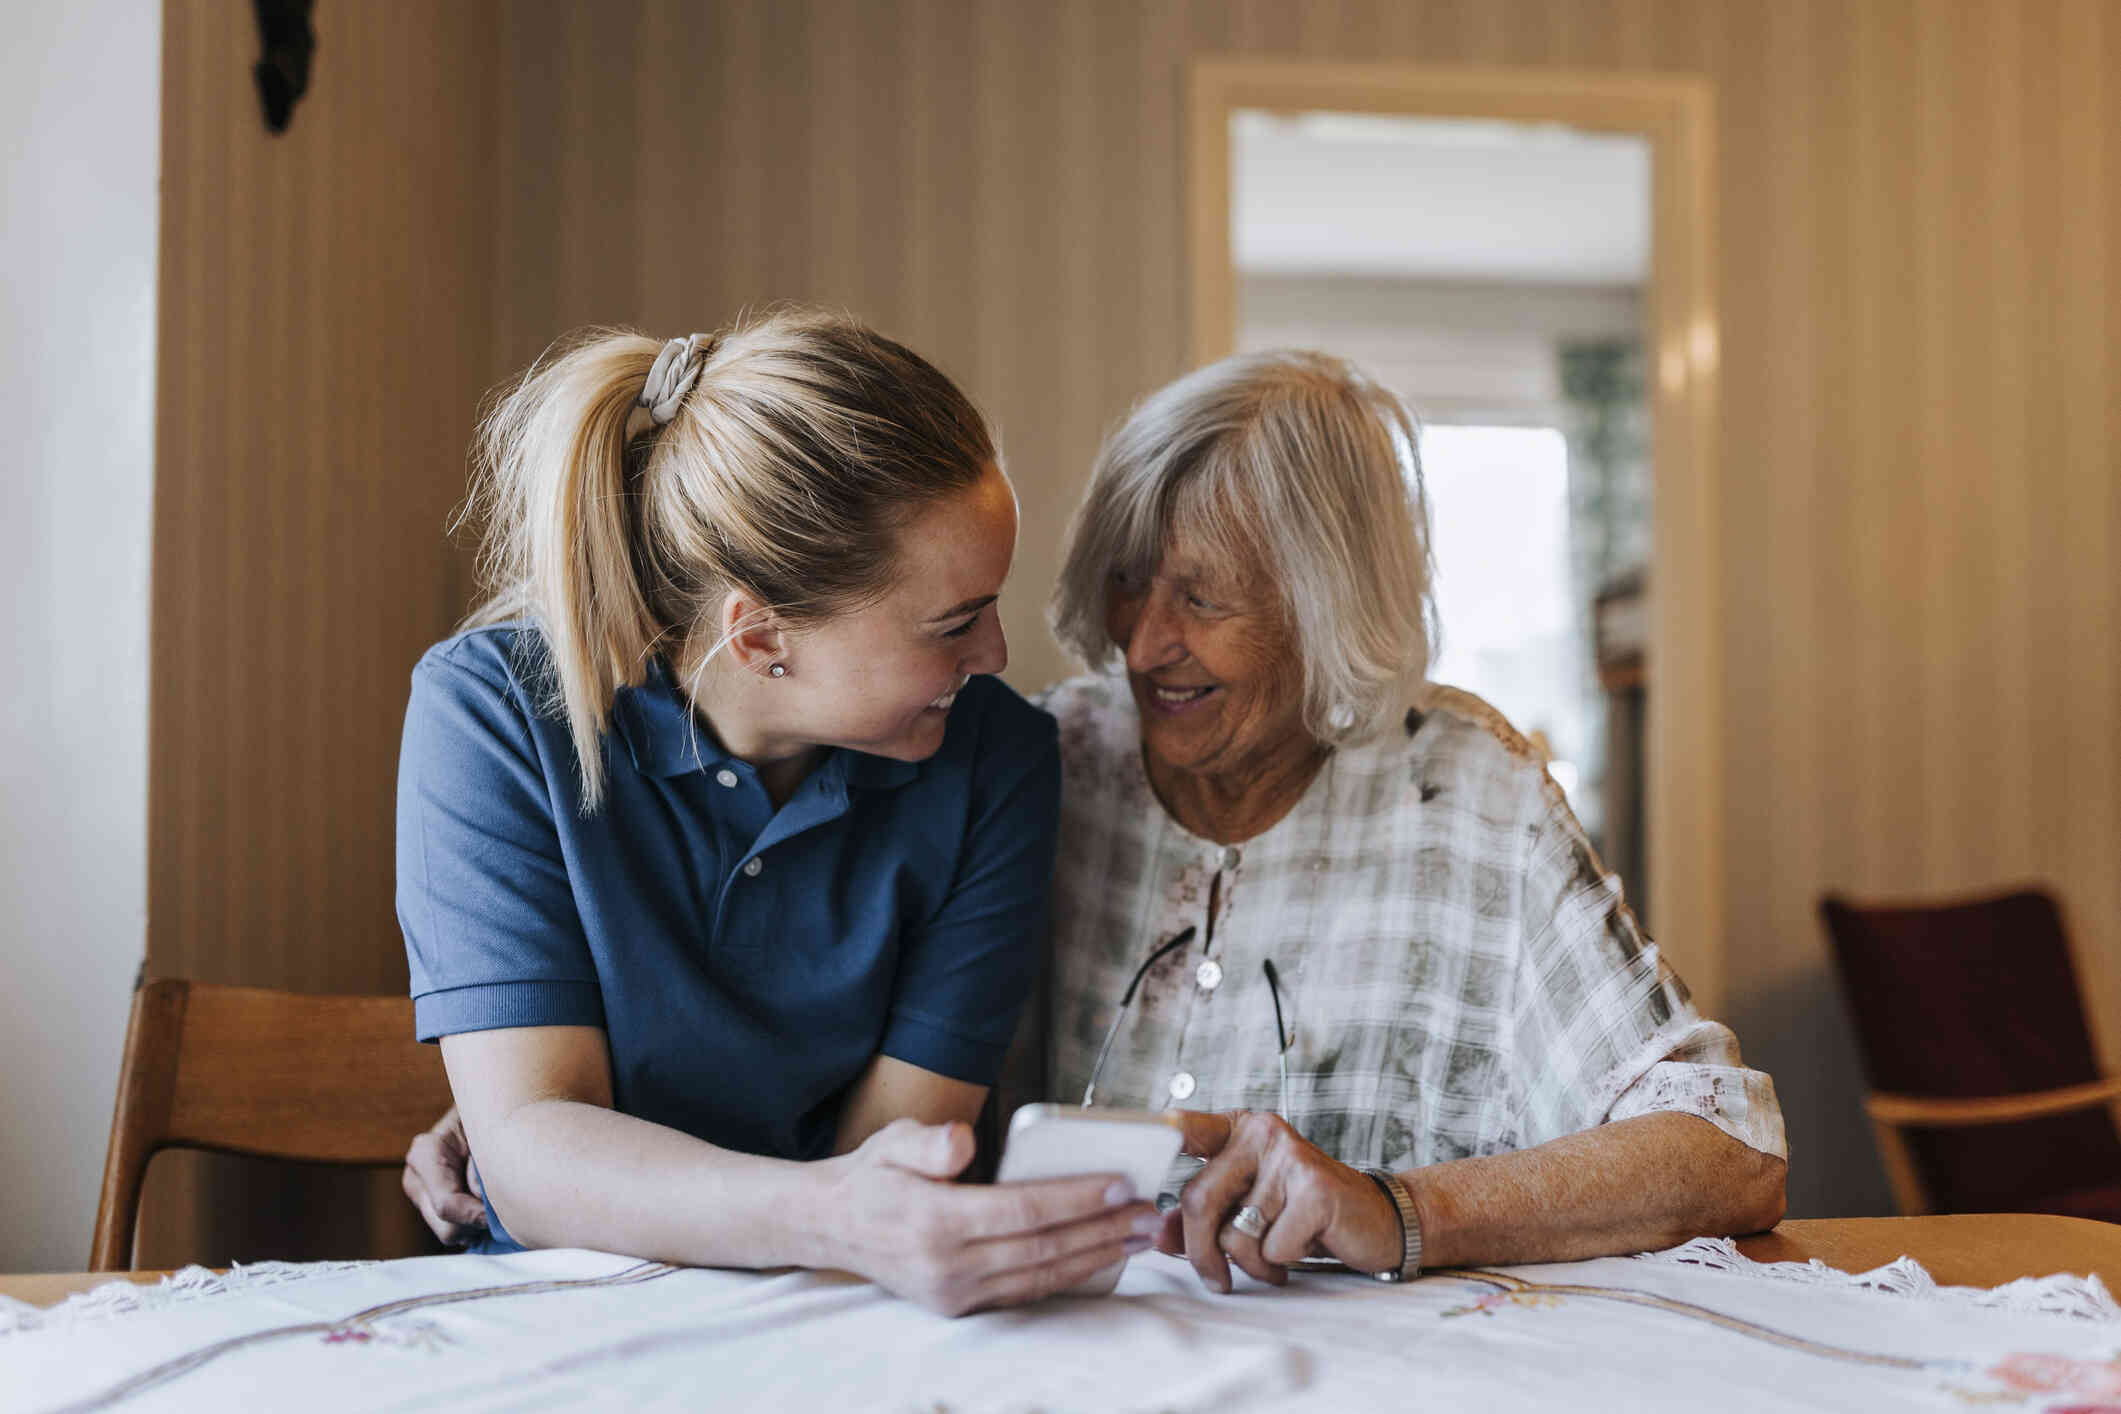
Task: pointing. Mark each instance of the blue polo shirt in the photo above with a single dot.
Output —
(746, 962)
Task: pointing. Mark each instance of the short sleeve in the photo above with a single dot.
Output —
(1604, 1029)
(492, 935)
(966, 972)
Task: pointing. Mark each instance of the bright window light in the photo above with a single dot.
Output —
(1499, 519)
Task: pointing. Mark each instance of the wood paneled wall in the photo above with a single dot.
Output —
(1921, 224)
(326, 330)
(326, 333)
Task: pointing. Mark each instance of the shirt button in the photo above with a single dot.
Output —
(725, 777)
(1182, 1086)
(753, 865)
(1209, 974)
(1230, 856)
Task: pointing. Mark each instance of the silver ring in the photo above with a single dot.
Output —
(1250, 1221)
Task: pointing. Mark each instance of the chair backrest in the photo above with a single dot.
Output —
(1969, 999)
(243, 1070)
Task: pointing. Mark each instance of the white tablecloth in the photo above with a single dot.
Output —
(553, 1330)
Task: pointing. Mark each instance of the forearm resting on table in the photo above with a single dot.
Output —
(1635, 1185)
(563, 1173)
(563, 1169)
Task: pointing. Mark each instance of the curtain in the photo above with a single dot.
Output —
(1606, 425)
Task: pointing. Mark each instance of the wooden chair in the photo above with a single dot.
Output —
(1986, 1095)
(243, 1070)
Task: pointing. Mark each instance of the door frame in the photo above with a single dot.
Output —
(1676, 115)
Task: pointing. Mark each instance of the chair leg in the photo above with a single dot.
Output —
(139, 1119)
(1900, 1169)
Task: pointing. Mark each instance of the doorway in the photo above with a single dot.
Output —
(1524, 257)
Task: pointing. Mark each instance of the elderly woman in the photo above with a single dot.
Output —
(1346, 919)
(1340, 918)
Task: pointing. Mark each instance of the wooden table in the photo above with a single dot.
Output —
(50, 1288)
(1962, 1250)
(1984, 1249)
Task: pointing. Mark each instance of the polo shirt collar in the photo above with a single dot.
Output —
(657, 725)
(659, 730)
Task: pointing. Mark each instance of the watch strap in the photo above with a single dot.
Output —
(1409, 1226)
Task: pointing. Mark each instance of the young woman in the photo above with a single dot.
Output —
(722, 858)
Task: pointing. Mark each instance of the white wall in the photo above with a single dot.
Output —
(80, 104)
(1459, 351)
(1452, 200)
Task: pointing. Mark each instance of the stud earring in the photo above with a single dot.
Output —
(779, 670)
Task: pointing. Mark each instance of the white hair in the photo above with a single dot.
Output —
(1303, 468)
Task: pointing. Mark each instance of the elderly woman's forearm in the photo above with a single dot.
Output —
(1635, 1185)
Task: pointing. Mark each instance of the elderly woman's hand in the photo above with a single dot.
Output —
(438, 1178)
(1311, 1204)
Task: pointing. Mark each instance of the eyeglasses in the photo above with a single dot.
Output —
(1187, 1165)
(1184, 936)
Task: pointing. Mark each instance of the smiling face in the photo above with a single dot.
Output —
(881, 679)
(1212, 664)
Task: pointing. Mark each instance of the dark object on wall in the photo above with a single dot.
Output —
(287, 44)
(1986, 1095)
(1620, 639)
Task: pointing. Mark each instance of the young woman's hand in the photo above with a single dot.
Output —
(437, 1178)
(900, 1220)
(955, 1248)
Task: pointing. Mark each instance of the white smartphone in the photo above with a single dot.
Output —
(1061, 1141)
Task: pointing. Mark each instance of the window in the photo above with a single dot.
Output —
(1499, 525)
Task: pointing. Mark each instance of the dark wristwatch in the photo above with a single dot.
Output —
(1409, 1226)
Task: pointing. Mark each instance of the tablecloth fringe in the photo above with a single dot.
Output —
(2082, 1297)
(118, 1297)
(2065, 1294)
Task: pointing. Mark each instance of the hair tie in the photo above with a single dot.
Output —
(676, 369)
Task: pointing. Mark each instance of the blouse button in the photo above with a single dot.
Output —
(1182, 1086)
(1230, 856)
(725, 777)
(753, 865)
(1209, 974)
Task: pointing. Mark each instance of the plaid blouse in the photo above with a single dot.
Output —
(1457, 971)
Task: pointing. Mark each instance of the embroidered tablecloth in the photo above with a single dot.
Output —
(1699, 1327)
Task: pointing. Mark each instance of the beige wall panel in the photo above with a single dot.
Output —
(2078, 792)
(325, 335)
(326, 328)
(1920, 507)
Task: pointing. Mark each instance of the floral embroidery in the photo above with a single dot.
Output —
(362, 1328)
(2030, 1372)
(1486, 1305)
(424, 1336)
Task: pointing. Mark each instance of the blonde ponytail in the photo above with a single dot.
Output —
(786, 470)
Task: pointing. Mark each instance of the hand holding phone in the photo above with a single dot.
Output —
(1061, 1141)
